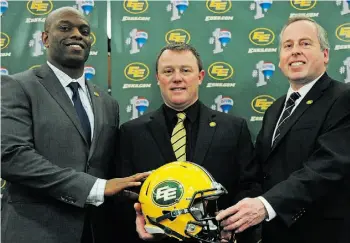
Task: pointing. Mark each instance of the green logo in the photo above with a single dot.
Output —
(167, 193)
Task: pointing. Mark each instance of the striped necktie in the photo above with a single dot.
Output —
(285, 116)
(178, 138)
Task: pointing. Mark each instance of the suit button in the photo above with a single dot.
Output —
(266, 176)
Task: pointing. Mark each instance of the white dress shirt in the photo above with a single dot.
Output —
(302, 91)
(96, 195)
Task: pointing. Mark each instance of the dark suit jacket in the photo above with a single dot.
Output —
(306, 175)
(225, 150)
(47, 160)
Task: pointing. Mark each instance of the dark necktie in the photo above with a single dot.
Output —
(84, 120)
(285, 116)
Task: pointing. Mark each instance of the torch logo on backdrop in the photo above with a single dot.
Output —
(264, 71)
(37, 44)
(345, 6)
(220, 38)
(177, 8)
(4, 5)
(4, 71)
(261, 7)
(138, 106)
(85, 6)
(89, 72)
(222, 104)
(345, 70)
(137, 40)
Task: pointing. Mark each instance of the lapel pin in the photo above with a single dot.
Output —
(212, 124)
(96, 94)
(309, 102)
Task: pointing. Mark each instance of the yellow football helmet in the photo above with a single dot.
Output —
(174, 201)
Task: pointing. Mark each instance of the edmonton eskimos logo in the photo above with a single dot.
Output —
(39, 7)
(261, 103)
(220, 70)
(136, 71)
(303, 4)
(261, 36)
(343, 32)
(135, 6)
(177, 36)
(4, 40)
(219, 6)
(93, 38)
(167, 193)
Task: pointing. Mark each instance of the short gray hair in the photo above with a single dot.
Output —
(321, 32)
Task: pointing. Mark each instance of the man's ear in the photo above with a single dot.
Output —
(201, 76)
(45, 38)
(157, 79)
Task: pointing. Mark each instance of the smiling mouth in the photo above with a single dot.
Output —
(177, 89)
(296, 64)
(76, 45)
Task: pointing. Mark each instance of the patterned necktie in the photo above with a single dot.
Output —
(285, 116)
(84, 120)
(178, 138)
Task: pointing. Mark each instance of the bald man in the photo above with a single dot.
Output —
(58, 143)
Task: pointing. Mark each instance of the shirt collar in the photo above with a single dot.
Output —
(303, 90)
(65, 80)
(191, 112)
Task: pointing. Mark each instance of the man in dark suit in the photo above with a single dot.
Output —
(219, 142)
(303, 149)
(58, 143)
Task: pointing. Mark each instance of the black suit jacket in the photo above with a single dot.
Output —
(47, 160)
(306, 175)
(225, 150)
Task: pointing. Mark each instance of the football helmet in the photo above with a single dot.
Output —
(174, 201)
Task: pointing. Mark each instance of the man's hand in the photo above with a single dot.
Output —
(246, 213)
(116, 185)
(140, 226)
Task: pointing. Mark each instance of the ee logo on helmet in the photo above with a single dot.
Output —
(167, 193)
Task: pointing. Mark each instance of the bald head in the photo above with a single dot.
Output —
(54, 15)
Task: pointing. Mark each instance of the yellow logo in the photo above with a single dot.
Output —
(303, 4)
(93, 37)
(34, 66)
(220, 70)
(177, 36)
(4, 40)
(343, 32)
(39, 7)
(219, 6)
(136, 71)
(261, 103)
(261, 36)
(135, 6)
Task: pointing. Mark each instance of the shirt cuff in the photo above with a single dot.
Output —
(271, 213)
(96, 196)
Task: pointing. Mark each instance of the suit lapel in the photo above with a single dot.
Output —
(49, 80)
(158, 129)
(98, 114)
(205, 133)
(312, 96)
